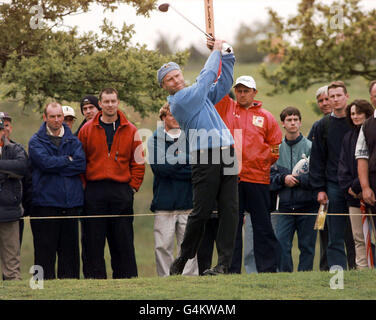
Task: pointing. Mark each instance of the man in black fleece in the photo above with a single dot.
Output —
(326, 148)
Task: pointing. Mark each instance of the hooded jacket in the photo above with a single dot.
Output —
(56, 178)
(13, 166)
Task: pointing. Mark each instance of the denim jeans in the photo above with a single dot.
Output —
(286, 227)
(336, 226)
(249, 252)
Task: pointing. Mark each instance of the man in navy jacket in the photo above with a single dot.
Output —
(172, 191)
(57, 160)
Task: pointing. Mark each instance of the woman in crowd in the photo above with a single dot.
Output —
(356, 112)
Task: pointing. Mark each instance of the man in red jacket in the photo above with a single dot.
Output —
(257, 136)
(114, 172)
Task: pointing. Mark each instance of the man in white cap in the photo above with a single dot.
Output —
(69, 116)
(258, 146)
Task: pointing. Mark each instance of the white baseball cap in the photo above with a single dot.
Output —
(247, 81)
(68, 111)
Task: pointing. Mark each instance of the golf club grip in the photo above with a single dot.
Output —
(209, 17)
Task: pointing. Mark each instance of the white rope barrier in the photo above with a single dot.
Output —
(160, 214)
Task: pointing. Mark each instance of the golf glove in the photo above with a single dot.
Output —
(226, 49)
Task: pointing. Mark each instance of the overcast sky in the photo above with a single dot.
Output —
(228, 15)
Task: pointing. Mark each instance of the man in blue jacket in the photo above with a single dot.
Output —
(295, 194)
(57, 160)
(214, 169)
(172, 191)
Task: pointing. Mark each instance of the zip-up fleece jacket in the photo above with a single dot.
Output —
(300, 196)
(13, 166)
(125, 161)
(169, 161)
(257, 132)
(55, 177)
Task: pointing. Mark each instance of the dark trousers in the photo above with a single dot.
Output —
(339, 230)
(21, 230)
(53, 237)
(205, 252)
(323, 246)
(350, 245)
(112, 198)
(255, 199)
(237, 258)
(214, 178)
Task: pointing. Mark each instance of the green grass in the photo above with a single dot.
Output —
(309, 285)
(357, 285)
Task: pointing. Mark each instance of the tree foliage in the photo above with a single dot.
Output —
(39, 64)
(246, 42)
(321, 43)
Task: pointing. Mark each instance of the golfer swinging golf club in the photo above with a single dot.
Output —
(214, 165)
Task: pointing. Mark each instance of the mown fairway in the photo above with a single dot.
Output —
(357, 285)
(311, 285)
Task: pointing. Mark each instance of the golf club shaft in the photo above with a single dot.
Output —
(206, 34)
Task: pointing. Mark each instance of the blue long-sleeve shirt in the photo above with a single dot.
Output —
(193, 106)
